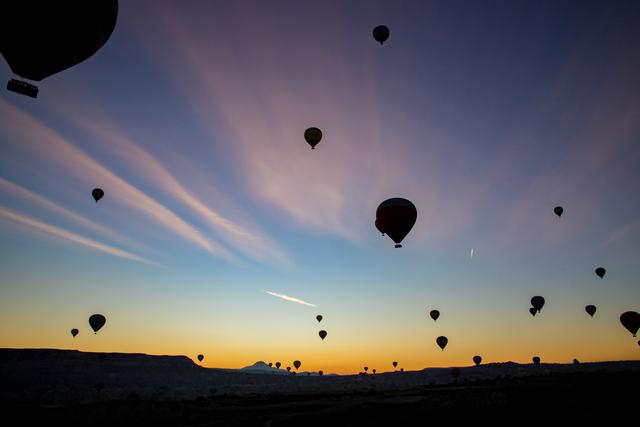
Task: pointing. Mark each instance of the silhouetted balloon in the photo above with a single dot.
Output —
(591, 309)
(600, 271)
(366, 368)
(434, 314)
(373, 370)
(558, 210)
(319, 317)
(395, 364)
(381, 33)
(97, 321)
(97, 194)
(313, 136)
(631, 321)
(533, 311)
(297, 364)
(322, 334)
(74, 332)
(288, 368)
(576, 362)
(270, 364)
(536, 360)
(442, 342)
(477, 360)
(378, 226)
(200, 357)
(41, 38)
(278, 364)
(537, 302)
(396, 217)
(320, 373)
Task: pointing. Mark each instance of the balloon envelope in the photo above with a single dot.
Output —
(200, 357)
(97, 321)
(395, 364)
(397, 217)
(378, 226)
(319, 317)
(366, 368)
(600, 272)
(320, 373)
(477, 360)
(590, 309)
(537, 302)
(536, 360)
(278, 364)
(40, 38)
(323, 334)
(558, 210)
(74, 332)
(381, 33)
(533, 311)
(97, 194)
(631, 321)
(434, 314)
(297, 364)
(442, 342)
(313, 136)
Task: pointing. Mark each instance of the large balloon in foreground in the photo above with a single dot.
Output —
(74, 332)
(297, 364)
(97, 321)
(313, 136)
(536, 360)
(533, 311)
(97, 194)
(442, 342)
(600, 272)
(434, 314)
(397, 217)
(395, 364)
(41, 38)
(379, 226)
(477, 360)
(323, 334)
(381, 33)
(537, 302)
(319, 317)
(558, 210)
(200, 357)
(631, 321)
(590, 309)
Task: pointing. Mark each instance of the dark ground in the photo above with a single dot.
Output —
(603, 398)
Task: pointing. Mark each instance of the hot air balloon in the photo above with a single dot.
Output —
(297, 364)
(319, 317)
(401, 369)
(537, 302)
(97, 194)
(97, 321)
(600, 272)
(576, 362)
(378, 226)
(558, 210)
(590, 309)
(373, 370)
(323, 334)
(397, 217)
(536, 360)
(320, 373)
(533, 311)
(74, 332)
(395, 364)
(313, 136)
(477, 360)
(631, 321)
(41, 38)
(270, 364)
(442, 342)
(278, 364)
(381, 34)
(434, 314)
(366, 368)
(200, 357)
(288, 368)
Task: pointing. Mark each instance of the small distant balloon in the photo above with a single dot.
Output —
(270, 364)
(97, 194)
(313, 137)
(558, 210)
(323, 334)
(397, 216)
(366, 368)
(381, 33)
(477, 360)
(395, 364)
(631, 321)
(442, 342)
(373, 370)
(297, 364)
(576, 362)
(278, 364)
(200, 357)
(319, 317)
(590, 309)
(600, 272)
(537, 302)
(320, 373)
(536, 360)
(288, 368)
(74, 332)
(97, 321)
(533, 311)
(434, 314)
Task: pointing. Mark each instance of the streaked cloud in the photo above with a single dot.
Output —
(291, 299)
(70, 236)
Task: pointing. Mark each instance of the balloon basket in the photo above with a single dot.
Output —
(23, 88)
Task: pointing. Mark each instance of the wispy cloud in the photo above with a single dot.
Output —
(71, 237)
(291, 299)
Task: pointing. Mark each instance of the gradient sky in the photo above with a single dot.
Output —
(485, 114)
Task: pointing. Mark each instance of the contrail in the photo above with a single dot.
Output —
(292, 299)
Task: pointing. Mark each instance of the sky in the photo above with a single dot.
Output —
(486, 115)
